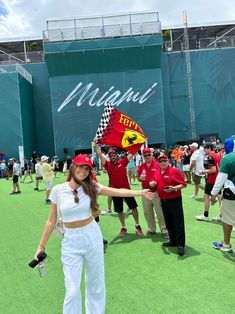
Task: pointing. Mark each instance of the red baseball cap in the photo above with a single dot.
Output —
(82, 159)
(146, 150)
(162, 155)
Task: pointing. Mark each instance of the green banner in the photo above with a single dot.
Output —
(78, 103)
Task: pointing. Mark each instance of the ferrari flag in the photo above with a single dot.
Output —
(117, 129)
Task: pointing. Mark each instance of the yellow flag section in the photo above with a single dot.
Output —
(132, 137)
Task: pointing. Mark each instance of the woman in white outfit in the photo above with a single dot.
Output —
(77, 203)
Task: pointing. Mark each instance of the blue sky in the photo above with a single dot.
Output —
(27, 18)
(3, 9)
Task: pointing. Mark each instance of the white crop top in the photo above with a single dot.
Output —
(62, 196)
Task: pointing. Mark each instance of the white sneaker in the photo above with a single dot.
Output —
(106, 212)
(202, 218)
(129, 211)
(226, 248)
(194, 196)
(218, 219)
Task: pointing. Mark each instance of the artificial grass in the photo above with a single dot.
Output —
(141, 275)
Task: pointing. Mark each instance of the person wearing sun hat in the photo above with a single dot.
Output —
(76, 199)
(168, 182)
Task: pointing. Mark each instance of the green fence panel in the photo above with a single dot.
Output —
(27, 115)
(10, 117)
(42, 108)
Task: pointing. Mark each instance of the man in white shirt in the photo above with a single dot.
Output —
(15, 177)
(38, 173)
(196, 165)
(2, 167)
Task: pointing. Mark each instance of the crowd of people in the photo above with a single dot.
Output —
(162, 175)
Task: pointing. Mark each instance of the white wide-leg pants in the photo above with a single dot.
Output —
(86, 244)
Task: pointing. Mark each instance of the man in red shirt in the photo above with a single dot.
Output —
(118, 179)
(145, 175)
(168, 182)
(211, 169)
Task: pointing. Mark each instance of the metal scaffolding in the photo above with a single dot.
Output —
(189, 77)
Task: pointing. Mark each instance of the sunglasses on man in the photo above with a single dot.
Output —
(162, 160)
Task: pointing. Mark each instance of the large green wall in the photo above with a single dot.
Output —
(213, 78)
(213, 81)
(86, 71)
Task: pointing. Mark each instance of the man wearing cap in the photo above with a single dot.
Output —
(168, 182)
(226, 179)
(211, 169)
(145, 175)
(196, 165)
(47, 171)
(118, 179)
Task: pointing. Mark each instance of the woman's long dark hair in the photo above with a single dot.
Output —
(89, 187)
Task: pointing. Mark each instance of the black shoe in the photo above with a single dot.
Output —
(18, 192)
(13, 193)
(105, 242)
(48, 201)
(150, 233)
(181, 250)
(169, 244)
(36, 189)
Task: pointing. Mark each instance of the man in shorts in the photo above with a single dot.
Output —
(38, 173)
(131, 171)
(15, 177)
(117, 173)
(226, 179)
(47, 171)
(196, 165)
(211, 169)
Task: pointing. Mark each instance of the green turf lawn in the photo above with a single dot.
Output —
(141, 275)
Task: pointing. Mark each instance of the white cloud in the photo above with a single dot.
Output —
(28, 17)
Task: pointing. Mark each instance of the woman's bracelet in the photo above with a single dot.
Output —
(42, 246)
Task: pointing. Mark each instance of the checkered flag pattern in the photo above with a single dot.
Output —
(106, 123)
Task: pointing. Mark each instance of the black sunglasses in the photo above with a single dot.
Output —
(76, 198)
(147, 155)
(162, 160)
